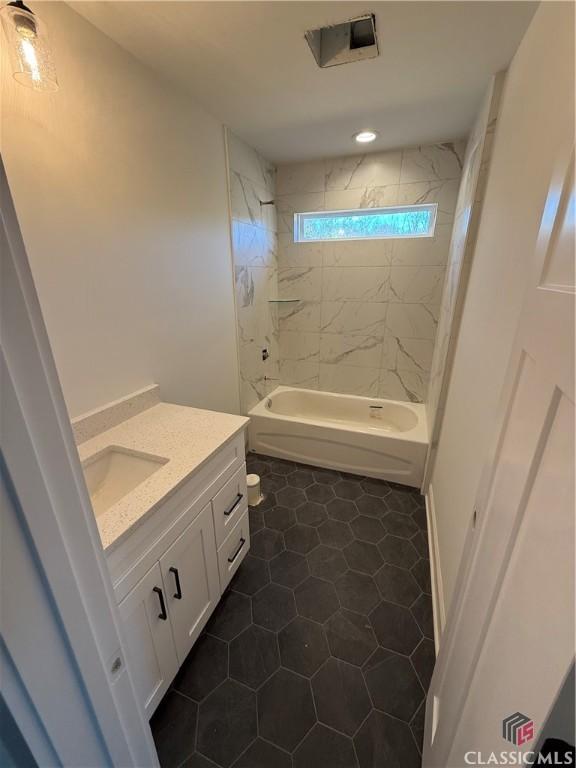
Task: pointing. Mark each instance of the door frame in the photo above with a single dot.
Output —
(44, 474)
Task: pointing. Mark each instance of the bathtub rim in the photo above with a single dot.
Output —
(418, 434)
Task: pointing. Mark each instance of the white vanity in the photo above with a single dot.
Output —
(168, 487)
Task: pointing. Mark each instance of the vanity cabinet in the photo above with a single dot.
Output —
(165, 612)
(149, 641)
(191, 581)
(170, 573)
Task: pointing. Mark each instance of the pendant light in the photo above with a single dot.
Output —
(29, 48)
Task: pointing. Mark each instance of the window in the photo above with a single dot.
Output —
(366, 223)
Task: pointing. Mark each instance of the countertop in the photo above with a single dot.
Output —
(186, 436)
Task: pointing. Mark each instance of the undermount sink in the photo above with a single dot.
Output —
(114, 472)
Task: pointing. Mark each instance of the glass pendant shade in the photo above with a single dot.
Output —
(29, 48)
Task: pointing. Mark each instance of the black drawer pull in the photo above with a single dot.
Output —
(235, 503)
(235, 555)
(162, 615)
(178, 594)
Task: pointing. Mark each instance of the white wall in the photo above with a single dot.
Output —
(120, 186)
(538, 85)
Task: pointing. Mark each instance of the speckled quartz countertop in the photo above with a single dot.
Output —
(187, 437)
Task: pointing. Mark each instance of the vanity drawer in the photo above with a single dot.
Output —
(233, 551)
(229, 504)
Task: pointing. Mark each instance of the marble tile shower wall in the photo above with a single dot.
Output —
(466, 219)
(366, 318)
(254, 250)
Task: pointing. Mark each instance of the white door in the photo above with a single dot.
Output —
(512, 638)
(148, 634)
(190, 575)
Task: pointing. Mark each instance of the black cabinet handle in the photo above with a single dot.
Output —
(235, 555)
(178, 594)
(235, 503)
(162, 615)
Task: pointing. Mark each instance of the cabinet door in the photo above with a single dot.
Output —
(150, 646)
(190, 573)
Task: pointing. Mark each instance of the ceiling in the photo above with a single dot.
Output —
(249, 65)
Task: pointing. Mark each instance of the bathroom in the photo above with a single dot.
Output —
(287, 290)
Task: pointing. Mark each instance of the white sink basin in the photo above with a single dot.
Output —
(114, 472)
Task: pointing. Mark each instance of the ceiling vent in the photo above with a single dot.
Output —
(353, 40)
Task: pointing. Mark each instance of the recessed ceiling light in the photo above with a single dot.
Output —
(365, 137)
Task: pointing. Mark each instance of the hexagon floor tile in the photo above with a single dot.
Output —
(320, 652)
(227, 723)
(341, 697)
(303, 646)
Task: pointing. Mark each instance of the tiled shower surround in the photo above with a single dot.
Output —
(355, 317)
(366, 320)
(254, 250)
(466, 220)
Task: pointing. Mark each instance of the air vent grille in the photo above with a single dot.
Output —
(344, 43)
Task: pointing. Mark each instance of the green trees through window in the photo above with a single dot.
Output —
(406, 221)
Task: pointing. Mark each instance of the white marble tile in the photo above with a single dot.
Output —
(256, 323)
(269, 216)
(291, 254)
(408, 354)
(250, 164)
(252, 391)
(303, 346)
(302, 283)
(345, 323)
(417, 321)
(364, 197)
(353, 317)
(358, 253)
(296, 373)
(247, 322)
(245, 197)
(348, 379)
(251, 363)
(351, 349)
(252, 245)
(299, 316)
(416, 284)
(433, 162)
(244, 287)
(288, 205)
(403, 385)
(270, 244)
(372, 170)
(476, 164)
(355, 283)
(416, 251)
(444, 193)
(255, 285)
(300, 177)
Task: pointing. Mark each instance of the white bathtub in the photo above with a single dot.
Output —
(361, 435)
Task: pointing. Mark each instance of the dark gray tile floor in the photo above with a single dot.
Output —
(321, 652)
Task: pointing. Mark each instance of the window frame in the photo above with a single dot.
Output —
(300, 218)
